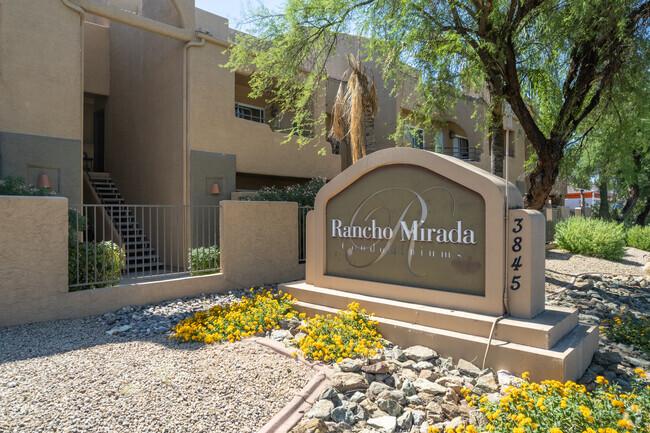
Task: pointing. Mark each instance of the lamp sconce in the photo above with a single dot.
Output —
(215, 189)
(43, 181)
(452, 134)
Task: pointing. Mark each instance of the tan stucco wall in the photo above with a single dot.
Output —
(259, 241)
(96, 59)
(144, 116)
(33, 256)
(33, 260)
(213, 126)
(40, 42)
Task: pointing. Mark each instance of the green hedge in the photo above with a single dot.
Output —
(204, 260)
(591, 237)
(16, 186)
(304, 194)
(94, 261)
(638, 237)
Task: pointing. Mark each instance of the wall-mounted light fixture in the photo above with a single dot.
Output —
(215, 189)
(43, 181)
(452, 134)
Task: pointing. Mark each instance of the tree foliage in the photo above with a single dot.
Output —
(553, 62)
(613, 149)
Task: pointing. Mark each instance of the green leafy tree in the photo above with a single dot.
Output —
(613, 149)
(553, 62)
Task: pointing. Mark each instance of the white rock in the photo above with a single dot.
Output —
(385, 423)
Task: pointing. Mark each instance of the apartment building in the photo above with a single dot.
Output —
(136, 88)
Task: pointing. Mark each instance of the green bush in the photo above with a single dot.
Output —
(76, 223)
(16, 186)
(638, 237)
(94, 261)
(204, 260)
(591, 237)
(304, 195)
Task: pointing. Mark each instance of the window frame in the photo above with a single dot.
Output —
(257, 119)
(409, 136)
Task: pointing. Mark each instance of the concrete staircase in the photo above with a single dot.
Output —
(141, 257)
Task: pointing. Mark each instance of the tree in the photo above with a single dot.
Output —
(355, 110)
(613, 149)
(553, 62)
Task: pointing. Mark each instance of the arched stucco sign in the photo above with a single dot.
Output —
(416, 226)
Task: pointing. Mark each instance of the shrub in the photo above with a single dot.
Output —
(258, 313)
(557, 407)
(638, 237)
(349, 334)
(94, 261)
(591, 237)
(304, 195)
(16, 186)
(76, 223)
(629, 330)
(204, 258)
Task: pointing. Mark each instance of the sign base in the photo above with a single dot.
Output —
(552, 345)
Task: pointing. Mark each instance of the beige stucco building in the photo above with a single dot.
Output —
(136, 88)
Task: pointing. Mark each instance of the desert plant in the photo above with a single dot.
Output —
(204, 260)
(94, 261)
(304, 195)
(76, 223)
(261, 311)
(591, 237)
(16, 186)
(638, 237)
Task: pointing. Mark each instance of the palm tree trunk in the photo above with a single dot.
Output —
(369, 132)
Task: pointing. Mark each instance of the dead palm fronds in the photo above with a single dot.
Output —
(354, 110)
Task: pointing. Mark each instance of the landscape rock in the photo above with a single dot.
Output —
(351, 365)
(405, 421)
(467, 368)
(321, 410)
(313, 425)
(343, 415)
(420, 353)
(378, 368)
(428, 387)
(386, 424)
(391, 407)
(344, 382)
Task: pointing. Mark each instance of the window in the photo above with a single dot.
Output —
(439, 142)
(415, 136)
(250, 112)
(461, 147)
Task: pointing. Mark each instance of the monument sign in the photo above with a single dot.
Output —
(422, 227)
(445, 255)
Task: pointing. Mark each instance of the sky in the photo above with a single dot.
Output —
(232, 9)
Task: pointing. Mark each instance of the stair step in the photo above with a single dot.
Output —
(564, 361)
(136, 259)
(145, 267)
(543, 331)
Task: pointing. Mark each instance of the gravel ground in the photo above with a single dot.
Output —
(561, 266)
(69, 376)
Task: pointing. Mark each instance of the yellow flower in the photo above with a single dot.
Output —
(555, 430)
(626, 423)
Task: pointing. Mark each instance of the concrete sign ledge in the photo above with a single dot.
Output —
(293, 412)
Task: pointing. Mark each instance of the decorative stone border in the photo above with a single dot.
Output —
(293, 412)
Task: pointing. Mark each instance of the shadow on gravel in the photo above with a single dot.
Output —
(565, 255)
(20, 342)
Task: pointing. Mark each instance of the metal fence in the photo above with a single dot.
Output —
(109, 244)
(302, 232)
